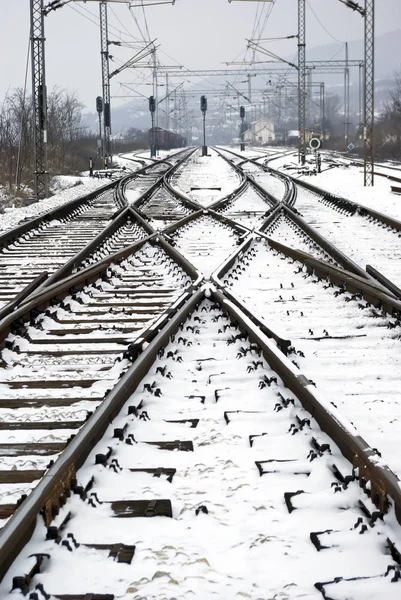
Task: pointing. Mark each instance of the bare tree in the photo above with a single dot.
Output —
(389, 126)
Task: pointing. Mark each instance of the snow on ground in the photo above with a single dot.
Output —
(230, 535)
(161, 154)
(248, 209)
(363, 240)
(348, 183)
(206, 172)
(205, 242)
(129, 161)
(249, 152)
(14, 216)
(348, 348)
(246, 545)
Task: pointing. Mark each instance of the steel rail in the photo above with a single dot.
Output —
(62, 211)
(122, 184)
(60, 479)
(339, 256)
(375, 477)
(55, 213)
(286, 207)
(88, 275)
(372, 292)
(383, 481)
(289, 188)
(94, 244)
(188, 200)
(345, 204)
(118, 219)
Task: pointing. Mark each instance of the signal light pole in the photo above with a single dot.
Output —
(242, 115)
(99, 110)
(203, 104)
(104, 53)
(152, 109)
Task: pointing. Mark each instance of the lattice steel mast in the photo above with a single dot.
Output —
(301, 81)
(39, 100)
(104, 52)
(369, 86)
(369, 92)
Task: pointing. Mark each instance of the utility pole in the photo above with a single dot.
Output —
(301, 82)
(204, 110)
(152, 109)
(167, 104)
(155, 87)
(242, 115)
(346, 98)
(369, 93)
(99, 110)
(368, 13)
(104, 52)
(360, 100)
(322, 108)
(309, 119)
(39, 100)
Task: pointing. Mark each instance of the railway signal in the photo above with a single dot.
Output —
(152, 109)
(99, 110)
(242, 115)
(315, 143)
(203, 104)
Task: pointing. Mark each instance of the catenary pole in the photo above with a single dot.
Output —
(39, 100)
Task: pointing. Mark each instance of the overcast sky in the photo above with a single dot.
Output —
(198, 34)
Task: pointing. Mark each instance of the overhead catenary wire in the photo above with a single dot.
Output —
(321, 24)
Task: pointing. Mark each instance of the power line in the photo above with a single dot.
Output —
(319, 21)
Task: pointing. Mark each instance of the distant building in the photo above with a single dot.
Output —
(292, 135)
(260, 133)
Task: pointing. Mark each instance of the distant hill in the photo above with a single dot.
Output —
(387, 53)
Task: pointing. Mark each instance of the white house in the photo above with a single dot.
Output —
(260, 133)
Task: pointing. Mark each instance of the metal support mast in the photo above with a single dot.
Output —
(104, 52)
(369, 92)
(308, 101)
(301, 82)
(322, 109)
(346, 99)
(39, 99)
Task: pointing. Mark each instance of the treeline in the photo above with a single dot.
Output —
(388, 130)
(387, 133)
(67, 138)
(70, 142)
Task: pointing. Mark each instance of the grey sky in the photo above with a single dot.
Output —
(196, 33)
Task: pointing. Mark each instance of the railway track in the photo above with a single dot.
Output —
(346, 343)
(367, 237)
(45, 243)
(134, 187)
(205, 239)
(205, 181)
(206, 430)
(55, 243)
(221, 468)
(67, 347)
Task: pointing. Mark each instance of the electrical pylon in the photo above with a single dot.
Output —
(104, 52)
(301, 82)
(39, 100)
(369, 92)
